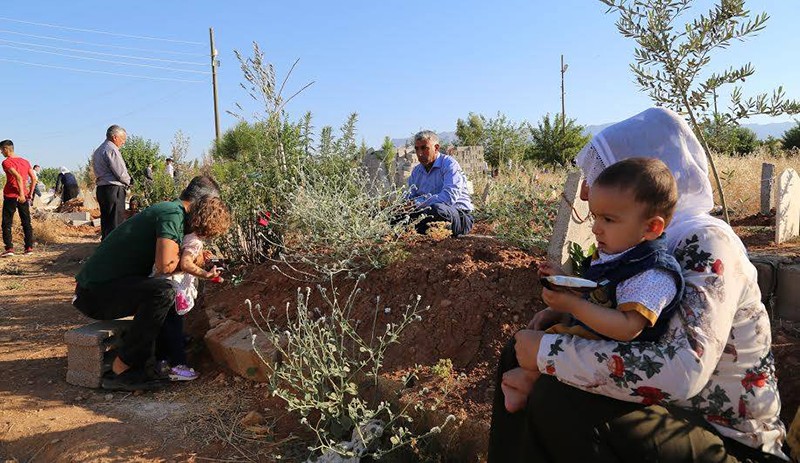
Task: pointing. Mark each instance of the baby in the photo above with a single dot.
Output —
(632, 203)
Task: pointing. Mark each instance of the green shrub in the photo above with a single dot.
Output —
(791, 138)
(555, 143)
(324, 365)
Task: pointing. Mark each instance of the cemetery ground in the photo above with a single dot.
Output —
(480, 291)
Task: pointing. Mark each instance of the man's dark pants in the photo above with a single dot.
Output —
(460, 220)
(10, 205)
(111, 199)
(149, 300)
(565, 424)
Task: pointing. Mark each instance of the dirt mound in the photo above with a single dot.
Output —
(73, 205)
(479, 292)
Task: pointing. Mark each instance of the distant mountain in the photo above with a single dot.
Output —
(775, 129)
(762, 131)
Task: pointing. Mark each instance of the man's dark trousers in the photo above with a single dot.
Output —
(11, 205)
(111, 199)
(460, 220)
(147, 299)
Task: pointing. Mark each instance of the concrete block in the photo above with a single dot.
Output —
(78, 223)
(767, 277)
(230, 344)
(787, 294)
(98, 332)
(85, 358)
(68, 217)
(84, 379)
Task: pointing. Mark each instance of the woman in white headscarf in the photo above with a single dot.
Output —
(706, 391)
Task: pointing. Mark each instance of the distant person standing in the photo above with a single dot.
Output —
(112, 178)
(170, 168)
(18, 175)
(38, 189)
(67, 185)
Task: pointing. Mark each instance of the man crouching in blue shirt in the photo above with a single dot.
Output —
(438, 188)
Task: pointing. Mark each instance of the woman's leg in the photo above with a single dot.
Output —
(170, 344)
(573, 425)
(507, 431)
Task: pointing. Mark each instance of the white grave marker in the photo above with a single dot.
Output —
(787, 207)
(572, 223)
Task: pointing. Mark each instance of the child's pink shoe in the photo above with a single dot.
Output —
(182, 373)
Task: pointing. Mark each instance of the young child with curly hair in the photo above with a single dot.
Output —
(210, 219)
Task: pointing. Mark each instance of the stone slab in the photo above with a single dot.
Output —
(72, 216)
(767, 268)
(767, 186)
(787, 207)
(572, 224)
(78, 223)
(787, 294)
(230, 344)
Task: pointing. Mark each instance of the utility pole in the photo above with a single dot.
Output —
(214, 81)
(563, 111)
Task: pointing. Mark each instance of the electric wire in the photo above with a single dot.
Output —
(170, 79)
(93, 31)
(118, 47)
(122, 63)
(104, 54)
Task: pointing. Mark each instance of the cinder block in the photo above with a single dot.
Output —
(767, 277)
(787, 294)
(88, 346)
(83, 379)
(97, 333)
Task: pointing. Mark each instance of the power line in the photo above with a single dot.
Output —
(170, 79)
(143, 37)
(152, 66)
(102, 54)
(118, 47)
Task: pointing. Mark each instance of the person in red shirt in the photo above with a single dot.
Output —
(19, 178)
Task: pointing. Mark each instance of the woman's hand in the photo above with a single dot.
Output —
(546, 269)
(560, 301)
(545, 319)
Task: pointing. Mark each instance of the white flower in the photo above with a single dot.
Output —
(387, 310)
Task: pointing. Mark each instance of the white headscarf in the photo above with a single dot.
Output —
(663, 134)
(64, 170)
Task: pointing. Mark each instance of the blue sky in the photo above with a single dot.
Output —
(401, 65)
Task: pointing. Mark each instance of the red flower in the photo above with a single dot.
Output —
(650, 395)
(752, 379)
(616, 365)
(742, 407)
(264, 221)
(550, 368)
(717, 267)
(718, 419)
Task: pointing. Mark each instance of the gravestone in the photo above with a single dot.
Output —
(572, 225)
(787, 207)
(767, 185)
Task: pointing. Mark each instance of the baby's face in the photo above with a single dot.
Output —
(619, 221)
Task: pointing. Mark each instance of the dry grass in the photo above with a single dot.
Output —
(45, 230)
(741, 179)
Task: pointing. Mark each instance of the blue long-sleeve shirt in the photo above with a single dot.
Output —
(445, 183)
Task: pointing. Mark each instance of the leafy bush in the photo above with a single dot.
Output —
(139, 152)
(791, 138)
(557, 142)
(323, 364)
(48, 176)
(729, 138)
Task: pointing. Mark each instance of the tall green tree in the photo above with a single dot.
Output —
(504, 141)
(138, 152)
(470, 132)
(791, 138)
(672, 55)
(555, 142)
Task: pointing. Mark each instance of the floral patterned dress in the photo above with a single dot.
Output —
(715, 358)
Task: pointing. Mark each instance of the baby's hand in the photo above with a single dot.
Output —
(214, 273)
(547, 268)
(560, 301)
